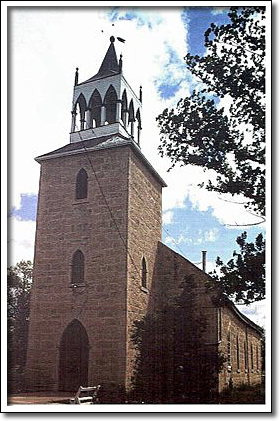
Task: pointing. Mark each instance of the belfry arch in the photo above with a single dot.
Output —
(95, 105)
(131, 117)
(139, 127)
(124, 110)
(110, 101)
(79, 111)
(73, 357)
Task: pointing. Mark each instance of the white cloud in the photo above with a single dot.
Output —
(255, 312)
(21, 236)
(217, 10)
(211, 235)
(167, 217)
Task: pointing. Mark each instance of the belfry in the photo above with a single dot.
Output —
(99, 263)
(104, 100)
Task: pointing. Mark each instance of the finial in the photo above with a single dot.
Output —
(120, 63)
(76, 76)
(140, 94)
(112, 39)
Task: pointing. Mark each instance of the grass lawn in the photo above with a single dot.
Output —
(244, 394)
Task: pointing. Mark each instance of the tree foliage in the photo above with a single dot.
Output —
(243, 277)
(173, 364)
(199, 132)
(18, 294)
(230, 142)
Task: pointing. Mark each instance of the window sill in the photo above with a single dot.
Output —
(144, 290)
(246, 370)
(229, 368)
(238, 370)
(81, 285)
(79, 201)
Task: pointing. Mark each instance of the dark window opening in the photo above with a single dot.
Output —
(246, 355)
(81, 184)
(144, 273)
(229, 349)
(78, 268)
(219, 324)
(237, 353)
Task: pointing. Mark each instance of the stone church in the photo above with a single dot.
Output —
(99, 261)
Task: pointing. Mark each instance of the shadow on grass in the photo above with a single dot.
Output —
(244, 395)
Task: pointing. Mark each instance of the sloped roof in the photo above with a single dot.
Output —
(109, 66)
(225, 301)
(100, 143)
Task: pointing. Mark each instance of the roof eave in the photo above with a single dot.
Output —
(130, 143)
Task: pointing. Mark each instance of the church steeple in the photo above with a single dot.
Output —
(110, 62)
(105, 104)
(109, 66)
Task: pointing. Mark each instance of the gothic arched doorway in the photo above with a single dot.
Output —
(73, 357)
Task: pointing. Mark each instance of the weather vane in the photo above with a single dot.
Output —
(112, 38)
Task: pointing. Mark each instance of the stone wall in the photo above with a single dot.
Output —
(64, 225)
(144, 233)
(242, 336)
(114, 229)
(172, 271)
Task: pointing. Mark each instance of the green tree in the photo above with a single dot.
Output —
(243, 277)
(199, 132)
(18, 295)
(173, 363)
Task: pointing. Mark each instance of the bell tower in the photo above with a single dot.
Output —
(105, 103)
(97, 234)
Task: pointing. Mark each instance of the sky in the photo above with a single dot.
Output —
(45, 47)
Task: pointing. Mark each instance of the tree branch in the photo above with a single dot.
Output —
(237, 45)
(243, 225)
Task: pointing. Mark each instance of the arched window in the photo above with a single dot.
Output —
(78, 268)
(229, 349)
(237, 353)
(257, 357)
(219, 324)
(81, 184)
(245, 355)
(95, 106)
(110, 101)
(144, 273)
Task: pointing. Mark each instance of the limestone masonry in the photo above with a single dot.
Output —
(99, 261)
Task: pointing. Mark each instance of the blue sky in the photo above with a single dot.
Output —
(44, 59)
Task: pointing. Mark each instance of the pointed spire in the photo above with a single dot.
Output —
(110, 61)
(109, 66)
(140, 94)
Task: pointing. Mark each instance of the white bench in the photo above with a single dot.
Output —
(85, 395)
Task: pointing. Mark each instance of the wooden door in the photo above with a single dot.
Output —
(73, 357)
